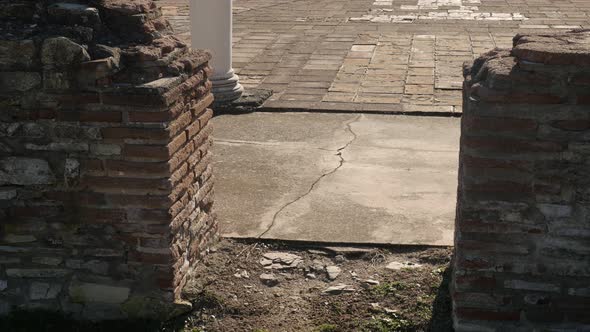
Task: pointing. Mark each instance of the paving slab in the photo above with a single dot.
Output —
(337, 178)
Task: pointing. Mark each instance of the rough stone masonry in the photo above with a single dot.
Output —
(105, 178)
(522, 241)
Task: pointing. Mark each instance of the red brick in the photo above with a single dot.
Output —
(143, 201)
(506, 145)
(101, 215)
(182, 155)
(500, 186)
(92, 166)
(76, 99)
(132, 168)
(125, 185)
(572, 125)
(134, 133)
(201, 104)
(165, 116)
(480, 162)
(511, 97)
(482, 314)
(177, 143)
(152, 152)
(180, 123)
(149, 258)
(90, 116)
(495, 124)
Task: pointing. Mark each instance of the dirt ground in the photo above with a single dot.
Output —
(274, 287)
(230, 295)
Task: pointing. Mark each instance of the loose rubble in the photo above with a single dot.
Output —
(402, 265)
(338, 289)
(333, 272)
(280, 261)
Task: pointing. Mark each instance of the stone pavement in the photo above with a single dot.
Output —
(344, 178)
(374, 55)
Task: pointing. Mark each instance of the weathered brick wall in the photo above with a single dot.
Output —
(522, 244)
(105, 177)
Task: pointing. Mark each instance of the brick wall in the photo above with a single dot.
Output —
(522, 243)
(105, 177)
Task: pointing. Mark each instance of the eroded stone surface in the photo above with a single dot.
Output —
(557, 49)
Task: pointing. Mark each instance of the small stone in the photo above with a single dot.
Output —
(333, 272)
(389, 311)
(317, 266)
(53, 261)
(71, 170)
(242, 274)
(338, 289)
(43, 291)
(402, 265)
(7, 193)
(280, 260)
(14, 238)
(269, 279)
(369, 282)
(311, 276)
(317, 252)
(339, 259)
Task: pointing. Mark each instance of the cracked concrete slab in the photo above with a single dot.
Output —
(341, 178)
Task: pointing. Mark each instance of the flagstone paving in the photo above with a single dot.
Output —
(374, 55)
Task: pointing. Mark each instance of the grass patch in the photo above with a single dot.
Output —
(387, 288)
(392, 323)
(327, 328)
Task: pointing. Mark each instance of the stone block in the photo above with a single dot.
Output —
(19, 81)
(25, 171)
(18, 55)
(36, 273)
(44, 291)
(73, 14)
(80, 292)
(61, 52)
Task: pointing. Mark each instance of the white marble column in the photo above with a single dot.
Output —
(211, 28)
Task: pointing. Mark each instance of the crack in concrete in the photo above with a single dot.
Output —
(312, 187)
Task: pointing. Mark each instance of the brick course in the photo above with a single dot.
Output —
(522, 229)
(105, 178)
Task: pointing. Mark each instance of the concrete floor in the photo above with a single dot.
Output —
(341, 178)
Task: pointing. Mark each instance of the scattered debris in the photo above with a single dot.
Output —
(333, 272)
(317, 266)
(339, 259)
(338, 289)
(369, 282)
(402, 265)
(269, 279)
(317, 252)
(280, 261)
(352, 251)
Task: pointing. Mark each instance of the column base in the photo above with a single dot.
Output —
(226, 88)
